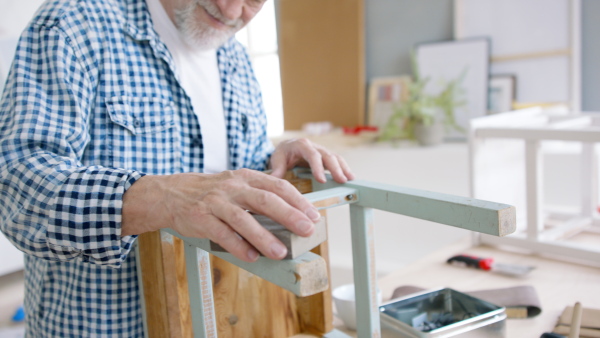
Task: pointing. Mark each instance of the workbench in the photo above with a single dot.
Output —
(558, 283)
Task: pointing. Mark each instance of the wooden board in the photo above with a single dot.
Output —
(321, 53)
(165, 285)
(316, 312)
(248, 306)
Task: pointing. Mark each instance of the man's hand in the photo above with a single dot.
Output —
(302, 152)
(216, 207)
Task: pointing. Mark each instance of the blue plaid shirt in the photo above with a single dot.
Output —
(92, 104)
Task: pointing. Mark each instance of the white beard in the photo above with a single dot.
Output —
(199, 34)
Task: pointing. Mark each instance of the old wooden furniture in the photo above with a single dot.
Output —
(240, 297)
(230, 301)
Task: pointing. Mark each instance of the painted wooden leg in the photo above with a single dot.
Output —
(474, 159)
(365, 274)
(589, 183)
(200, 290)
(533, 177)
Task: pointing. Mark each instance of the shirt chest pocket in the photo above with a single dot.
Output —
(144, 134)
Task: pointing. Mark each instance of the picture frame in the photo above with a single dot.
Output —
(445, 61)
(502, 92)
(385, 94)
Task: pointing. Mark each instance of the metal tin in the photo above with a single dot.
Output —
(442, 313)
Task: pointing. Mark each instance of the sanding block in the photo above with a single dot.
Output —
(296, 245)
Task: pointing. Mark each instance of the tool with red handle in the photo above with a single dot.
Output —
(488, 264)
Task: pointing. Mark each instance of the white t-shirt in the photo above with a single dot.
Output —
(198, 74)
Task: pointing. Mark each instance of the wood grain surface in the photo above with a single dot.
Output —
(165, 285)
(322, 61)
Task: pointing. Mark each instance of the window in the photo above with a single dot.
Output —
(260, 37)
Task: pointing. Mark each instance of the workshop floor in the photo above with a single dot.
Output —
(11, 298)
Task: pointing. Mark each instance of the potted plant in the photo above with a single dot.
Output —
(424, 117)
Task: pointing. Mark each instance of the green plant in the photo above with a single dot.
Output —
(423, 108)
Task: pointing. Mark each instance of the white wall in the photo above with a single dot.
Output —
(393, 27)
(14, 16)
(401, 240)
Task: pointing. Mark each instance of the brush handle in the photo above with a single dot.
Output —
(576, 321)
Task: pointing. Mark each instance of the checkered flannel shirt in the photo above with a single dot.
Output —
(92, 104)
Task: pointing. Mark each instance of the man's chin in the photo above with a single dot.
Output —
(200, 34)
(204, 44)
(204, 37)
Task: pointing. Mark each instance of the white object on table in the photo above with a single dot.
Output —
(345, 304)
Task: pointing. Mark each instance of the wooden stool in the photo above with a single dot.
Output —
(218, 294)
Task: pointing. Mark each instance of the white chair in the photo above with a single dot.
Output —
(507, 153)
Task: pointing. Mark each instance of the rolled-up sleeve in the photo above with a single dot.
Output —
(52, 206)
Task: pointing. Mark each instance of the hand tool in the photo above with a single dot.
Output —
(488, 264)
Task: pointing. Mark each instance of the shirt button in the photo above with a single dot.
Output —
(137, 123)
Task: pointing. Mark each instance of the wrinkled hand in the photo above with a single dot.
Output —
(215, 207)
(302, 152)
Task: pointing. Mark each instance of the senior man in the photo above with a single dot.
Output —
(126, 116)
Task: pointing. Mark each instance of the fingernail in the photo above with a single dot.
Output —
(313, 214)
(305, 227)
(278, 250)
(252, 254)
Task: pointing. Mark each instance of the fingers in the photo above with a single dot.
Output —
(278, 199)
(297, 218)
(201, 224)
(316, 163)
(265, 195)
(303, 152)
(242, 222)
(229, 240)
(346, 168)
(320, 159)
(278, 165)
(338, 167)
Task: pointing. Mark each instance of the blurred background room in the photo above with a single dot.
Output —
(362, 76)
